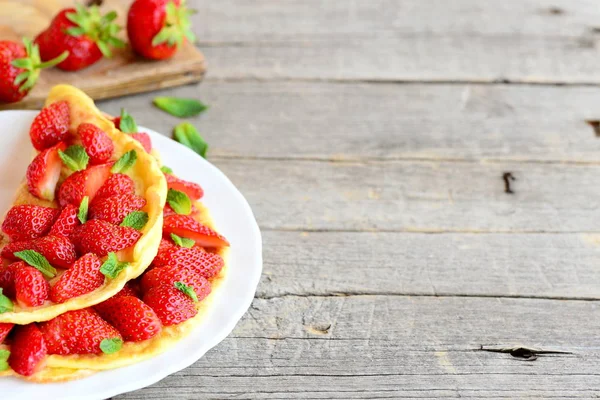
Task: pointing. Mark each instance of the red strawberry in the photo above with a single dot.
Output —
(206, 264)
(144, 140)
(58, 250)
(28, 221)
(96, 142)
(186, 226)
(11, 248)
(135, 320)
(170, 304)
(44, 171)
(31, 288)
(77, 332)
(84, 33)
(170, 274)
(19, 69)
(157, 28)
(5, 329)
(28, 350)
(115, 185)
(126, 124)
(114, 209)
(127, 290)
(7, 278)
(193, 190)
(66, 222)
(50, 126)
(100, 237)
(83, 277)
(83, 183)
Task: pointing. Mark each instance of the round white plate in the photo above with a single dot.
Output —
(232, 217)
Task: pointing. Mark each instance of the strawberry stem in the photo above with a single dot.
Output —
(32, 64)
(54, 62)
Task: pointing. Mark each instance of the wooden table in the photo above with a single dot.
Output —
(371, 137)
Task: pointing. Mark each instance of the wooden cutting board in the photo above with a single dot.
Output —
(123, 74)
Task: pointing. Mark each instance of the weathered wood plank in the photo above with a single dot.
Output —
(386, 121)
(396, 347)
(526, 41)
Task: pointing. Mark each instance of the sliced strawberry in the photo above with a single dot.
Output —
(193, 190)
(31, 288)
(50, 126)
(144, 140)
(170, 274)
(206, 264)
(58, 250)
(5, 329)
(66, 222)
(167, 211)
(44, 171)
(134, 319)
(83, 183)
(7, 278)
(170, 304)
(77, 332)
(96, 142)
(28, 350)
(26, 222)
(11, 248)
(83, 277)
(186, 226)
(100, 237)
(115, 185)
(114, 209)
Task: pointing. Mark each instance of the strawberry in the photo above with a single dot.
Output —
(66, 222)
(44, 171)
(77, 332)
(11, 248)
(83, 183)
(115, 185)
(157, 28)
(28, 350)
(7, 278)
(134, 319)
(144, 140)
(31, 288)
(84, 33)
(170, 274)
(168, 210)
(126, 124)
(50, 126)
(100, 237)
(58, 250)
(96, 142)
(20, 67)
(115, 209)
(5, 329)
(83, 277)
(127, 290)
(193, 190)
(186, 226)
(25, 222)
(206, 264)
(170, 304)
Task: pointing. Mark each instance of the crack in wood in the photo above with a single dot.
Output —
(521, 352)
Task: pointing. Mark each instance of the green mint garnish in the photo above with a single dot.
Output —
(136, 220)
(37, 261)
(112, 267)
(187, 290)
(4, 354)
(179, 202)
(166, 169)
(128, 124)
(111, 346)
(186, 134)
(182, 108)
(182, 241)
(124, 163)
(6, 305)
(83, 210)
(74, 157)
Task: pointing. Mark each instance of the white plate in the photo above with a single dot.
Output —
(233, 218)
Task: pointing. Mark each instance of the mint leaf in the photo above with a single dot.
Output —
(186, 134)
(179, 202)
(166, 170)
(124, 163)
(111, 346)
(4, 354)
(182, 108)
(37, 261)
(74, 157)
(182, 241)
(6, 305)
(83, 210)
(136, 220)
(112, 267)
(187, 290)
(128, 124)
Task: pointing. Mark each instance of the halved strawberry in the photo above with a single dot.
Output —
(28, 350)
(170, 304)
(83, 277)
(169, 274)
(51, 125)
(193, 190)
(66, 222)
(7, 278)
(144, 140)
(26, 222)
(115, 185)
(11, 248)
(134, 319)
(58, 250)
(83, 183)
(207, 264)
(96, 142)
(100, 237)
(44, 171)
(5, 329)
(186, 226)
(77, 332)
(114, 209)
(31, 288)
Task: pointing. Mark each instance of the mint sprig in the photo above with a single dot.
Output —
(82, 214)
(74, 157)
(179, 202)
(182, 241)
(37, 261)
(186, 134)
(112, 267)
(111, 345)
(127, 124)
(187, 290)
(6, 305)
(179, 107)
(4, 354)
(124, 163)
(136, 220)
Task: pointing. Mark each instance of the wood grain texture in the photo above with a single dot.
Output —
(123, 74)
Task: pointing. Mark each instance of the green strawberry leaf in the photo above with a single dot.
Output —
(4, 354)
(136, 220)
(124, 163)
(37, 261)
(179, 202)
(182, 241)
(166, 170)
(74, 157)
(187, 290)
(182, 108)
(111, 346)
(83, 210)
(112, 267)
(128, 124)
(186, 134)
(6, 305)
